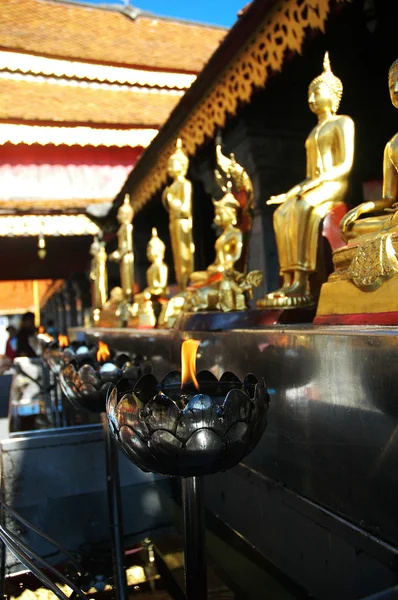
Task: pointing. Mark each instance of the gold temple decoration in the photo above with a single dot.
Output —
(368, 263)
(282, 31)
(242, 188)
(152, 301)
(98, 275)
(177, 199)
(221, 287)
(124, 254)
(330, 153)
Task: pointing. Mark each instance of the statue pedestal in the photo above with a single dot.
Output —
(342, 303)
(242, 319)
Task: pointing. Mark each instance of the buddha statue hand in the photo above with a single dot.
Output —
(353, 215)
(297, 190)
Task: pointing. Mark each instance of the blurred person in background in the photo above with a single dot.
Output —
(25, 336)
(11, 346)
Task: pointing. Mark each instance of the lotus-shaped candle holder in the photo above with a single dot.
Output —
(189, 430)
(86, 382)
(174, 430)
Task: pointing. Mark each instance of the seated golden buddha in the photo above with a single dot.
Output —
(330, 151)
(115, 310)
(369, 259)
(220, 287)
(148, 304)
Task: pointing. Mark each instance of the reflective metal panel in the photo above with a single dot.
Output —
(333, 418)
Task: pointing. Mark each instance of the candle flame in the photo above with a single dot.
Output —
(103, 352)
(189, 350)
(63, 341)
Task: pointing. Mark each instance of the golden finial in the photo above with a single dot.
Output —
(326, 62)
(329, 79)
(154, 232)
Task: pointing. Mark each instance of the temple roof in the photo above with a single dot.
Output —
(108, 36)
(24, 100)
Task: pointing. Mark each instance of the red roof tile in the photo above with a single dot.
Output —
(34, 101)
(107, 36)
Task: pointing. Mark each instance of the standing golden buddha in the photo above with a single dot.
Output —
(177, 199)
(330, 153)
(363, 287)
(124, 254)
(98, 275)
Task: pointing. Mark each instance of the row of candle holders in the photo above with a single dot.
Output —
(187, 425)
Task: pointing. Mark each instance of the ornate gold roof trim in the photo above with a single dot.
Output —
(75, 136)
(48, 225)
(39, 65)
(283, 29)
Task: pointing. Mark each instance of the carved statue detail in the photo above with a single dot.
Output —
(221, 287)
(242, 189)
(177, 199)
(330, 152)
(124, 254)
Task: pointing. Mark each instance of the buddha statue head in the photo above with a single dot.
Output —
(95, 246)
(393, 83)
(226, 208)
(325, 91)
(116, 296)
(156, 248)
(125, 213)
(178, 162)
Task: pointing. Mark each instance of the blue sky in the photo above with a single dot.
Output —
(218, 12)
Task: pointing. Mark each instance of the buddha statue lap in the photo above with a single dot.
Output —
(363, 287)
(330, 152)
(150, 304)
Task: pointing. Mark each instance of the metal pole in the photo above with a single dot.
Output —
(194, 538)
(115, 513)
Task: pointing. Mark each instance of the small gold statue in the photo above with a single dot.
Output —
(115, 311)
(368, 263)
(242, 189)
(124, 255)
(330, 153)
(151, 302)
(221, 287)
(228, 246)
(98, 275)
(177, 199)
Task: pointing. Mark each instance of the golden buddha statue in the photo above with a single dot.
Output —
(242, 189)
(149, 303)
(368, 263)
(115, 311)
(177, 199)
(221, 287)
(98, 274)
(124, 254)
(330, 153)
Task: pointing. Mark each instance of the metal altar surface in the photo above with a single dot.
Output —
(332, 435)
